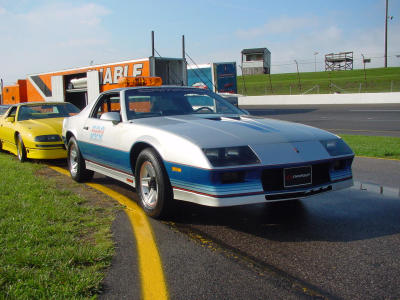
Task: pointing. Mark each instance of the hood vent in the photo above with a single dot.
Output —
(218, 118)
(233, 117)
(213, 118)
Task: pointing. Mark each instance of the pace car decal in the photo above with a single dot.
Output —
(96, 133)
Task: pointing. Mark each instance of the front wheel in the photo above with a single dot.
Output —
(76, 163)
(152, 184)
(21, 150)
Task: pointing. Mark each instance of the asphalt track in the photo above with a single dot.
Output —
(366, 119)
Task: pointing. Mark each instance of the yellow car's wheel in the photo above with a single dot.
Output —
(21, 151)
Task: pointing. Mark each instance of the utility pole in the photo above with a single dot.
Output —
(152, 44)
(386, 21)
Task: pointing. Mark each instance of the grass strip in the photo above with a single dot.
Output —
(374, 146)
(54, 245)
(326, 82)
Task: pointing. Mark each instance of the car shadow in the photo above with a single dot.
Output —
(333, 219)
(342, 216)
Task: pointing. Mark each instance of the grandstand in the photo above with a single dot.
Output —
(339, 61)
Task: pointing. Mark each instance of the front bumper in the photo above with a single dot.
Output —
(46, 153)
(258, 197)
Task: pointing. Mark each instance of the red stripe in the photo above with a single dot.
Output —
(220, 196)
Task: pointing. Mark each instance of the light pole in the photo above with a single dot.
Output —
(298, 74)
(315, 61)
(386, 33)
(386, 24)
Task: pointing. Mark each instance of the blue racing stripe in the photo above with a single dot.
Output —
(113, 158)
(209, 182)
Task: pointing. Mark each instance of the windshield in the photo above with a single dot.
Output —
(46, 111)
(142, 103)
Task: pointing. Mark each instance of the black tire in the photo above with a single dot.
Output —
(21, 150)
(152, 184)
(76, 163)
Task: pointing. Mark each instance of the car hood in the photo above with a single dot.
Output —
(43, 126)
(214, 131)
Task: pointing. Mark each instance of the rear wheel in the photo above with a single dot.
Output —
(76, 163)
(21, 151)
(152, 184)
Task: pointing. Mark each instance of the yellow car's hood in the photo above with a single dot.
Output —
(43, 126)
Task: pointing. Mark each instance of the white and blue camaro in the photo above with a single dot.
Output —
(190, 144)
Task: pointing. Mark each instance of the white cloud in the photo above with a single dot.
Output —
(52, 37)
(56, 14)
(282, 25)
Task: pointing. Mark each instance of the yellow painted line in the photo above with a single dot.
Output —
(381, 158)
(151, 272)
(360, 130)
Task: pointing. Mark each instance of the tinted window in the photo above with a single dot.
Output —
(107, 103)
(150, 102)
(46, 111)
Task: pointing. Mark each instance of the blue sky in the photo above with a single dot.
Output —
(40, 36)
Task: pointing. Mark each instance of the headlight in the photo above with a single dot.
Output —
(231, 156)
(48, 138)
(336, 147)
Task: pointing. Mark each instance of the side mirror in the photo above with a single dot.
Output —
(112, 116)
(10, 119)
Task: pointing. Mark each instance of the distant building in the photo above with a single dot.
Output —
(256, 61)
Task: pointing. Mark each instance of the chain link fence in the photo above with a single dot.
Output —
(354, 81)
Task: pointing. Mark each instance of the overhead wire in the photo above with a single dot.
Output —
(201, 71)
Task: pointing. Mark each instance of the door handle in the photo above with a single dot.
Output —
(86, 128)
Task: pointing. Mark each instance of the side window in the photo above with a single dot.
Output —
(12, 112)
(107, 103)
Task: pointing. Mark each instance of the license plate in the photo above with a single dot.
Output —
(298, 176)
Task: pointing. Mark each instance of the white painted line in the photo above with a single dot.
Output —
(374, 110)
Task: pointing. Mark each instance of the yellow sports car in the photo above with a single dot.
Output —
(33, 130)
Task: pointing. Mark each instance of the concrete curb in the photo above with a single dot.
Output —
(318, 99)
